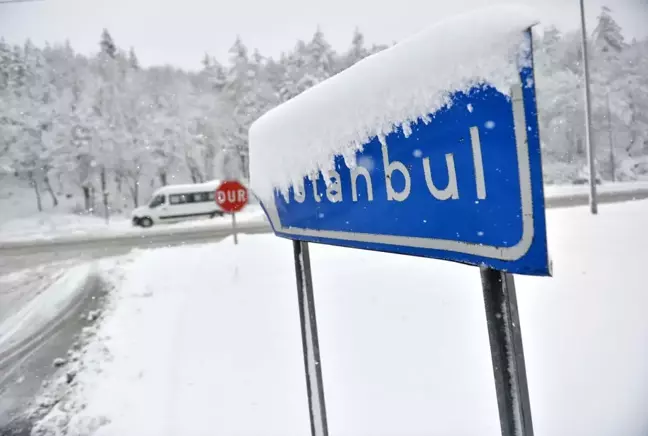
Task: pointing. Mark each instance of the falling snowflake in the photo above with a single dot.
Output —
(366, 162)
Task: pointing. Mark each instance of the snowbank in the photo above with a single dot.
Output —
(49, 226)
(395, 87)
(205, 340)
(52, 225)
(21, 281)
(43, 309)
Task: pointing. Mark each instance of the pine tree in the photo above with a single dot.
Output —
(274, 74)
(607, 36)
(206, 62)
(111, 110)
(548, 49)
(212, 75)
(307, 65)
(5, 64)
(356, 52)
(239, 88)
(320, 58)
(632, 84)
(293, 68)
(607, 102)
(107, 44)
(133, 62)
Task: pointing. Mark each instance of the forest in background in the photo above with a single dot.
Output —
(107, 131)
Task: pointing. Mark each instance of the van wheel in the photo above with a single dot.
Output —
(216, 214)
(146, 222)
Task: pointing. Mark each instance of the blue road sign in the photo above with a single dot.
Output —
(466, 187)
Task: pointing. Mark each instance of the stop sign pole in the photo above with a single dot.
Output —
(231, 196)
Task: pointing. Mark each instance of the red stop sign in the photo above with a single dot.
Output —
(231, 196)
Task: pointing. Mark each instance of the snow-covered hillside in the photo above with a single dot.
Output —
(205, 340)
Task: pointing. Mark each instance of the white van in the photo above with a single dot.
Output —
(174, 203)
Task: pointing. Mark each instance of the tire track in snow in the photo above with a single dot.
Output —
(28, 363)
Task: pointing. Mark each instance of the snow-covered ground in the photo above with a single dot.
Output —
(53, 225)
(50, 225)
(205, 340)
(50, 300)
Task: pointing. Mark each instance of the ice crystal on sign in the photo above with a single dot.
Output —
(489, 124)
(407, 129)
(470, 107)
(417, 153)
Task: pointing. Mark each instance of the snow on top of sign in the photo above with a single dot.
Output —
(392, 88)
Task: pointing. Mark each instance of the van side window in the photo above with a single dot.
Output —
(202, 197)
(177, 199)
(197, 197)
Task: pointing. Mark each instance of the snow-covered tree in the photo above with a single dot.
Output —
(82, 126)
(611, 104)
(239, 90)
(607, 36)
(30, 119)
(107, 44)
(293, 68)
(357, 52)
(632, 85)
(320, 58)
(77, 150)
(166, 119)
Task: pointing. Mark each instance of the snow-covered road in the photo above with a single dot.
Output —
(40, 332)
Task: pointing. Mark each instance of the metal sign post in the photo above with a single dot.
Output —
(588, 116)
(234, 228)
(310, 341)
(507, 353)
(465, 186)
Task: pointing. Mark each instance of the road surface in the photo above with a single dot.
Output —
(602, 197)
(17, 256)
(25, 366)
(104, 245)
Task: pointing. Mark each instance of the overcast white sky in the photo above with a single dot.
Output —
(179, 32)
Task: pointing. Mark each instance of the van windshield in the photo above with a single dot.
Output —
(156, 201)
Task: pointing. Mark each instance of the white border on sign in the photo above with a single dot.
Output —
(494, 252)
